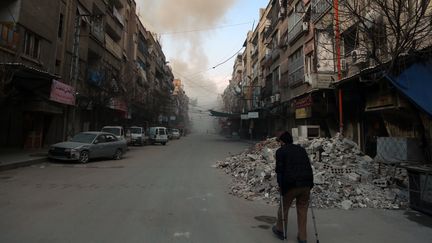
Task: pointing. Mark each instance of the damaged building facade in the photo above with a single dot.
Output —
(310, 65)
(77, 65)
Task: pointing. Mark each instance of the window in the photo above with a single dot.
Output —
(276, 79)
(31, 45)
(350, 40)
(60, 27)
(296, 67)
(8, 36)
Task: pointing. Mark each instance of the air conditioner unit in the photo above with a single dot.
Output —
(343, 65)
(309, 131)
(305, 26)
(277, 97)
(359, 56)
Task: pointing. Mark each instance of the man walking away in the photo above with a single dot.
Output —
(295, 180)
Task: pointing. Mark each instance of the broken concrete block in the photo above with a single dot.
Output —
(346, 204)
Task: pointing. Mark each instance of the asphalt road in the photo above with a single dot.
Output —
(167, 194)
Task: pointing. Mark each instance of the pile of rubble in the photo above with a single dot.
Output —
(344, 177)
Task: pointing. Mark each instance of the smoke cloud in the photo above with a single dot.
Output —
(189, 59)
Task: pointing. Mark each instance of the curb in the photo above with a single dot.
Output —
(19, 164)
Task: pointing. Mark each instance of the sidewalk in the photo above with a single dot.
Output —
(13, 158)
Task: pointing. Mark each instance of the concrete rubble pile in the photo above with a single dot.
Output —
(344, 177)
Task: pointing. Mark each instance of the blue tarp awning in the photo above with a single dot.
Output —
(416, 83)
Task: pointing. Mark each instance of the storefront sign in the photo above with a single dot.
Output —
(62, 93)
(118, 104)
(303, 113)
(383, 101)
(244, 116)
(253, 115)
(303, 102)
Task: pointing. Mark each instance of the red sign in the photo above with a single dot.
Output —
(303, 102)
(118, 104)
(62, 93)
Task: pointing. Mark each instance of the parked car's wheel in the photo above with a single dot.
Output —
(164, 143)
(118, 154)
(84, 157)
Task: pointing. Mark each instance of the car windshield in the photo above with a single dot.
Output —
(83, 138)
(135, 130)
(115, 131)
(162, 131)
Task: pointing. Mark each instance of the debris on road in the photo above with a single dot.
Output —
(344, 177)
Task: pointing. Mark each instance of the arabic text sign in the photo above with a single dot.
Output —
(62, 93)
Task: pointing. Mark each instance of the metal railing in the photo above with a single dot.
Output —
(319, 8)
(295, 31)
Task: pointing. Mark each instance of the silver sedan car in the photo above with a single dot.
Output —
(89, 145)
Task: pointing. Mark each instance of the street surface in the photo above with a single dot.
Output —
(168, 194)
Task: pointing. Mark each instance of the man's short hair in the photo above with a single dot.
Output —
(286, 138)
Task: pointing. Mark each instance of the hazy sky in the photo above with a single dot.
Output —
(193, 53)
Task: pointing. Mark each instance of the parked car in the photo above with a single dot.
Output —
(89, 145)
(158, 135)
(138, 135)
(118, 131)
(175, 134)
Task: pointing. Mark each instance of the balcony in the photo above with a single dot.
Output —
(297, 77)
(113, 47)
(97, 30)
(254, 51)
(319, 8)
(267, 60)
(118, 16)
(295, 32)
(275, 54)
(113, 27)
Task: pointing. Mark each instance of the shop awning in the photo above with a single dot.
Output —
(224, 114)
(416, 84)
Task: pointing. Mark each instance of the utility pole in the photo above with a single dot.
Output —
(339, 67)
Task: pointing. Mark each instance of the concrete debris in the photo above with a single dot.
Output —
(344, 177)
(346, 204)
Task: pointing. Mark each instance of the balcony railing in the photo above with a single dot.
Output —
(97, 30)
(295, 31)
(297, 77)
(118, 16)
(113, 47)
(254, 51)
(319, 7)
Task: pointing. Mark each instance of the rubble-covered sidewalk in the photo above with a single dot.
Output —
(344, 177)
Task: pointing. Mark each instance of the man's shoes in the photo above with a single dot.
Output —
(278, 234)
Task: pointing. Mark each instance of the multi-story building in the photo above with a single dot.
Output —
(340, 70)
(28, 67)
(77, 65)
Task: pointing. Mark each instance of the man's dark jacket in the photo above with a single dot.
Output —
(293, 167)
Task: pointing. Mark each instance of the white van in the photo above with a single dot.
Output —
(118, 131)
(138, 135)
(158, 135)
